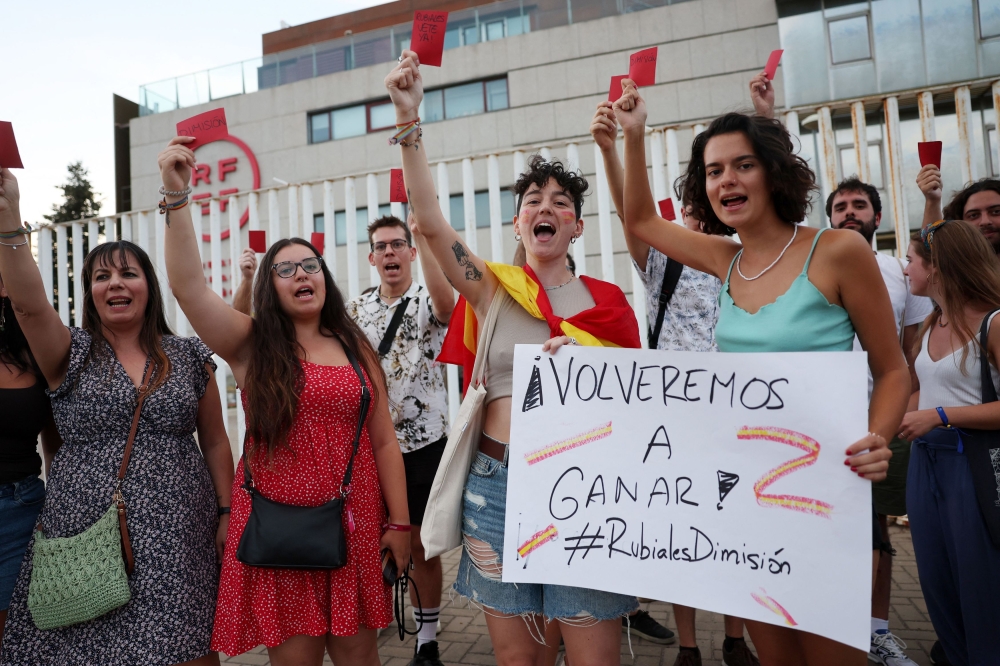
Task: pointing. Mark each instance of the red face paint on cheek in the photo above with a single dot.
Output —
(567, 216)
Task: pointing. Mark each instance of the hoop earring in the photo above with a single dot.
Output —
(517, 237)
(573, 239)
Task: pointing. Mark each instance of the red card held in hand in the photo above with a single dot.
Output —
(642, 67)
(205, 127)
(397, 189)
(930, 153)
(258, 242)
(428, 36)
(616, 87)
(317, 239)
(771, 68)
(667, 210)
(9, 157)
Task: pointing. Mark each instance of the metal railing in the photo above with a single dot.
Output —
(302, 201)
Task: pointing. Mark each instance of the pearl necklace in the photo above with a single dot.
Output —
(740, 256)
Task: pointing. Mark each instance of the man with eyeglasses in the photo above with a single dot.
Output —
(406, 323)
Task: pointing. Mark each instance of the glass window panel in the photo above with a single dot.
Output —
(991, 151)
(452, 39)
(496, 95)
(849, 39)
(518, 25)
(470, 35)
(464, 100)
(457, 204)
(875, 165)
(493, 30)
(349, 122)
(848, 162)
(319, 223)
(432, 107)
(320, 127)
(381, 116)
(989, 18)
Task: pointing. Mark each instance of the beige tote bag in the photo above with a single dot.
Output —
(441, 530)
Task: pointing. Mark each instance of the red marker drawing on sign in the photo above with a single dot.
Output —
(317, 239)
(642, 67)
(9, 157)
(427, 38)
(616, 87)
(258, 242)
(667, 209)
(205, 127)
(930, 153)
(397, 189)
(771, 68)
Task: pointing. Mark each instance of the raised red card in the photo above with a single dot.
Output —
(616, 87)
(428, 36)
(930, 153)
(9, 157)
(642, 67)
(205, 127)
(258, 242)
(667, 210)
(317, 240)
(771, 68)
(397, 189)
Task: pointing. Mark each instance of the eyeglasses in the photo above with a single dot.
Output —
(398, 245)
(286, 269)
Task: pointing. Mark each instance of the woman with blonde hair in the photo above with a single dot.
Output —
(958, 561)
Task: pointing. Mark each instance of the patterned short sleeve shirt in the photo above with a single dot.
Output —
(418, 399)
(690, 317)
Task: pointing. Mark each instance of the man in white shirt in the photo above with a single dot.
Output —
(856, 205)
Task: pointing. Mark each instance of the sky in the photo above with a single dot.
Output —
(63, 61)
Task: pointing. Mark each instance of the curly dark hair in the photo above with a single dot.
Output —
(855, 184)
(955, 210)
(389, 221)
(539, 172)
(790, 178)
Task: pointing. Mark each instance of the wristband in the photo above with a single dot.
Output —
(396, 527)
(944, 417)
(223, 510)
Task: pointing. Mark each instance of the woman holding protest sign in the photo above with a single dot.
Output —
(320, 445)
(531, 304)
(126, 395)
(803, 289)
(951, 488)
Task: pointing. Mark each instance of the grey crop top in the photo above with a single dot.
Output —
(515, 326)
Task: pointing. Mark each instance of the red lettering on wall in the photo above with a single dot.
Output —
(224, 203)
(227, 165)
(201, 172)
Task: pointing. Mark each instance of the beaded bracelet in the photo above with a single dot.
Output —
(404, 131)
(167, 193)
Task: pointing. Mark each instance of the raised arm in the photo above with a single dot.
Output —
(241, 299)
(222, 328)
(929, 182)
(604, 129)
(708, 254)
(467, 272)
(762, 95)
(441, 293)
(47, 337)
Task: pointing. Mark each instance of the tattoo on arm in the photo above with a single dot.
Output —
(462, 257)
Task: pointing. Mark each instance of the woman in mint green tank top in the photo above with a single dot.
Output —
(787, 287)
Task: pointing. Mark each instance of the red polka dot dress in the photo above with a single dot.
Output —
(260, 605)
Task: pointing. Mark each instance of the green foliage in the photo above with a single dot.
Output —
(80, 198)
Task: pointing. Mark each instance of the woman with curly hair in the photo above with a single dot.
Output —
(803, 289)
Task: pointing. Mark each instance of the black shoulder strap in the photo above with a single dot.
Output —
(671, 274)
(390, 331)
(989, 391)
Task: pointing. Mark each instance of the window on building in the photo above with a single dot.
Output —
(850, 39)
(991, 151)
(457, 204)
(989, 19)
(849, 163)
(340, 223)
(442, 104)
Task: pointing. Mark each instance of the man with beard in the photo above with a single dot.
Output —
(978, 203)
(856, 205)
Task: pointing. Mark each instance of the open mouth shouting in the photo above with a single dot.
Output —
(733, 202)
(544, 231)
(304, 293)
(392, 268)
(119, 303)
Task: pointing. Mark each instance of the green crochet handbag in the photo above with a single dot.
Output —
(82, 577)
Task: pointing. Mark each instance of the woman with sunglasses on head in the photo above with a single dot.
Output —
(294, 361)
(176, 497)
(959, 564)
(536, 302)
(786, 288)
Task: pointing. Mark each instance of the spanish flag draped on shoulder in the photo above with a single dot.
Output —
(610, 323)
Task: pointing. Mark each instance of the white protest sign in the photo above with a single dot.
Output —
(712, 480)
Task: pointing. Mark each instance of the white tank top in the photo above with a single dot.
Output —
(942, 383)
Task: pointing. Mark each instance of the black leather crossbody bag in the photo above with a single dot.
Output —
(284, 536)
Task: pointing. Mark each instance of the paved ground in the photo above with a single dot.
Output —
(464, 639)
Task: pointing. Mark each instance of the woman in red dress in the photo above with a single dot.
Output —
(302, 400)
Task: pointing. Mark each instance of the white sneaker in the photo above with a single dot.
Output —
(886, 649)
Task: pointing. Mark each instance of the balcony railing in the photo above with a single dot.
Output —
(498, 20)
(292, 210)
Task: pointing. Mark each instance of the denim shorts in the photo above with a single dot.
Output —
(485, 505)
(20, 504)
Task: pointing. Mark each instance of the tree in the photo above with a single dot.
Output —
(80, 197)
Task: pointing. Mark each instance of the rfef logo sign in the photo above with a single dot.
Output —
(224, 166)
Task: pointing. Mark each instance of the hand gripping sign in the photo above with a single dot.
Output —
(712, 480)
